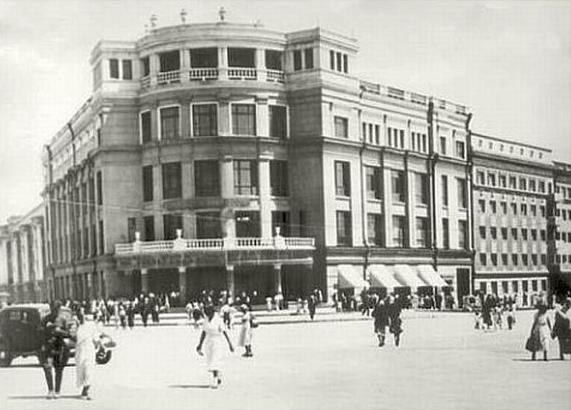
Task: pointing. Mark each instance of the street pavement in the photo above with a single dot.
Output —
(443, 363)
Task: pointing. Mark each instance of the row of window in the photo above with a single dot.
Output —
(83, 243)
(399, 233)
(511, 182)
(515, 259)
(205, 121)
(565, 192)
(126, 66)
(207, 179)
(208, 225)
(338, 61)
(307, 59)
(514, 233)
(511, 148)
(373, 182)
(523, 208)
(564, 213)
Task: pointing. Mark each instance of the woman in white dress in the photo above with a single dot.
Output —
(245, 338)
(87, 342)
(211, 338)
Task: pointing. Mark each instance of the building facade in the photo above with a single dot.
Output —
(559, 229)
(22, 258)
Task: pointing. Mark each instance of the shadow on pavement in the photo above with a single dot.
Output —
(189, 386)
(43, 397)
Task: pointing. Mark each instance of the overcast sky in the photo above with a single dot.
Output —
(510, 63)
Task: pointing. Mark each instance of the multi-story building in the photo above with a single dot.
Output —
(511, 187)
(22, 257)
(201, 139)
(559, 229)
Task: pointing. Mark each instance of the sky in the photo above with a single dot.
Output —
(509, 62)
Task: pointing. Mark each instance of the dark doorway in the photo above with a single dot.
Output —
(462, 285)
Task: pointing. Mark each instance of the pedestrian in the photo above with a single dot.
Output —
(381, 320)
(122, 315)
(54, 352)
(144, 309)
(226, 310)
(211, 338)
(197, 315)
(86, 346)
(130, 315)
(395, 322)
(562, 328)
(246, 333)
(538, 340)
(311, 305)
(364, 302)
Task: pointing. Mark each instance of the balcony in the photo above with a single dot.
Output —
(219, 244)
(203, 74)
(242, 74)
(168, 77)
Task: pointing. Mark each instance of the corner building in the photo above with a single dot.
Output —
(229, 156)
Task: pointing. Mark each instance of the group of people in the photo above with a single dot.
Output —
(492, 310)
(58, 329)
(548, 326)
(386, 314)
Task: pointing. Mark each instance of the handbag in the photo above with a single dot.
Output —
(531, 344)
(254, 323)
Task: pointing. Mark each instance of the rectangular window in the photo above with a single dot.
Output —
(460, 151)
(445, 234)
(99, 183)
(374, 229)
(398, 231)
(491, 179)
(534, 234)
(504, 259)
(494, 258)
(462, 194)
(113, 68)
(523, 209)
(344, 235)
(341, 127)
(533, 210)
(532, 185)
(206, 178)
(145, 66)
(242, 57)
(208, 225)
(131, 229)
(297, 60)
(149, 228)
(342, 179)
(444, 187)
(171, 222)
(247, 224)
(512, 181)
(514, 233)
(127, 70)
(281, 219)
(523, 184)
(398, 186)
(421, 187)
(493, 207)
(482, 205)
(541, 186)
(504, 233)
(244, 119)
(502, 181)
(204, 120)
(542, 234)
(169, 61)
(279, 185)
(169, 123)
(245, 177)
(534, 260)
(462, 234)
(278, 121)
(172, 180)
(332, 59)
(542, 210)
(101, 239)
(204, 57)
(494, 233)
(524, 260)
(514, 259)
(482, 232)
(513, 206)
(504, 207)
(146, 134)
(524, 234)
(480, 178)
(443, 145)
(308, 54)
(339, 62)
(274, 60)
(148, 183)
(373, 182)
(483, 259)
(422, 233)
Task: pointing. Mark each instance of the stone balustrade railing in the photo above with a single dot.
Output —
(218, 244)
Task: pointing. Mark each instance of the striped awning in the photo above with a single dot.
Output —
(408, 277)
(430, 276)
(381, 276)
(349, 277)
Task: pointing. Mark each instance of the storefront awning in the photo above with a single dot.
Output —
(408, 277)
(430, 276)
(349, 277)
(382, 277)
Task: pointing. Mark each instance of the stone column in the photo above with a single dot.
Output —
(262, 117)
(223, 63)
(224, 116)
(227, 192)
(410, 211)
(387, 207)
(154, 68)
(278, 278)
(144, 280)
(184, 65)
(261, 64)
(182, 284)
(230, 281)
(264, 187)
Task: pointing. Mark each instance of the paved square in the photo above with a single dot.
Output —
(443, 363)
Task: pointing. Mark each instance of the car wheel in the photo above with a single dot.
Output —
(102, 356)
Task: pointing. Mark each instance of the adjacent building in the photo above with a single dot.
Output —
(22, 258)
(559, 229)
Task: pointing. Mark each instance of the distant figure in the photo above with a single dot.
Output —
(226, 311)
(562, 328)
(211, 337)
(86, 346)
(311, 305)
(381, 320)
(246, 333)
(538, 340)
(395, 326)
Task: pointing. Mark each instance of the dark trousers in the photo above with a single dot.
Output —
(57, 362)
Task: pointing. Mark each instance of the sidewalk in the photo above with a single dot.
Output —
(322, 314)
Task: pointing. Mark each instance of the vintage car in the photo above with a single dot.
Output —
(21, 335)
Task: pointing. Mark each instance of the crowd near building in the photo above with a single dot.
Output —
(232, 157)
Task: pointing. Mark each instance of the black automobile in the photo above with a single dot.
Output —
(21, 334)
